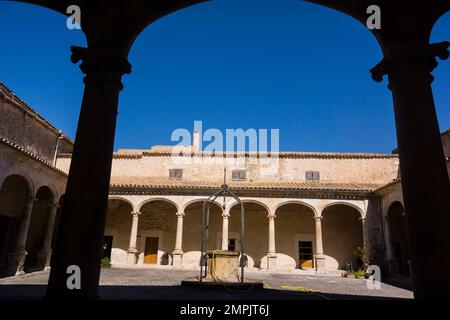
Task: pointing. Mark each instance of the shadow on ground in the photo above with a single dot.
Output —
(37, 292)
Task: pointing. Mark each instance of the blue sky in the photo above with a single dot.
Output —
(289, 65)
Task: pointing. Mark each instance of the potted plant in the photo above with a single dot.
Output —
(360, 274)
(349, 272)
(106, 263)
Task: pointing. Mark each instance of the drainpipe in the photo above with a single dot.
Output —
(60, 136)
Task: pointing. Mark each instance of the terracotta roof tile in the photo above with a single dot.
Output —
(247, 185)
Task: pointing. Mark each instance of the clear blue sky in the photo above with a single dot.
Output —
(288, 64)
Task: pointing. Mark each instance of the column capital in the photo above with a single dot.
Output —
(103, 66)
(180, 214)
(271, 216)
(362, 219)
(225, 215)
(400, 62)
(135, 213)
(318, 218)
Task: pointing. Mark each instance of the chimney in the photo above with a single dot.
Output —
(196, 141)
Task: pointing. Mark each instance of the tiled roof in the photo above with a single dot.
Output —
(136, 182)
(30, 155)
(292, 155)
(18, 101)
(395, 181)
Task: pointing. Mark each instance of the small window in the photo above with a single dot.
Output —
(312, 175)
(176, 173)
(231, 244)
(238, 175)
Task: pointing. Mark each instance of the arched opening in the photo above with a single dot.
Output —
(37, 228)
(399, 243)
(116, 238)
(256, 236)
(295, 236)
(13, 197)
(156, 232)
(342, 234)
(56, 225)
(192, 231)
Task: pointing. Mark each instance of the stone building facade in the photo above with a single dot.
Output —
(304, 212)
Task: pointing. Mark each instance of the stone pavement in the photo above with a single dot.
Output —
(164, 284)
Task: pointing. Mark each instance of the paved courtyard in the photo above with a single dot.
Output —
(165, 284)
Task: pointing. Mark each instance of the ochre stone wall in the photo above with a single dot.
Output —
(24, 127)
(353, 170)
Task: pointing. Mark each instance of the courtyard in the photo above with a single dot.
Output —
(165, 284)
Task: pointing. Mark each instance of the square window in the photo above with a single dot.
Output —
(175, 173)
(312, 175)
(239, 175)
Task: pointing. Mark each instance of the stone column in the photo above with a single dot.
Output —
(319, 256)
(83, 213)
(178, 250)
(132, 252)
(364, 231)
(425, 182)
(225, 217)
(45, 253)
(16, 259)
(392, 262)
(271, 254)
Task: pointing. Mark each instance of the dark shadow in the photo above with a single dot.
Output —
(37, 292)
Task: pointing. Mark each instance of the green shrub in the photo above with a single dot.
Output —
(360, 273)
(106, 263)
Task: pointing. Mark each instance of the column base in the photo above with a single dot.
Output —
(16, 262)
(177, 258)
(271, 261)
(320, 264)
(44, 257)
(132, 256)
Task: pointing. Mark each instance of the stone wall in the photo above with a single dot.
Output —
(352, 169)
(26, 128)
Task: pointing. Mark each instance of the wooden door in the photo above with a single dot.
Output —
(151, 250)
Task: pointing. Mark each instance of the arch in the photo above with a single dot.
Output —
(44, 200)
(139, 207)
(399, 263)
(388, 206)
(192, 231)
(52, 190)
(29, 182)
(295, 235)
(294, 201)
(343, 203)
(156, 231)
(14, 195)
(119, 198)
(190, 202)
(244, 201)
(343, 234)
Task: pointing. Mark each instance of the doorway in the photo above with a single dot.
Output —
(151, 250)
(305, 254)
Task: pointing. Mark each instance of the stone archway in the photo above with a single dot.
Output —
(117, 231)
(342, 235)
(13, 198)
(192, 231)
(156, 232)
(295, 236)
(256, 236)
(38, 225)
(398, 238)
